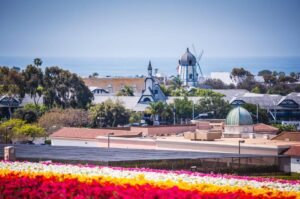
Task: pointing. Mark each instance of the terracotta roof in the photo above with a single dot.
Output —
(293, 151)
(116, 84)
(87, 133)
(263, 128)
(288, 136)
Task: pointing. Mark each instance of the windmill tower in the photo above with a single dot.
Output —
(187, 69)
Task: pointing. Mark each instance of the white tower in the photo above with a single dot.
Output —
(187, 70)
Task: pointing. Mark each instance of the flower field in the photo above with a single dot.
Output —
(44, 180)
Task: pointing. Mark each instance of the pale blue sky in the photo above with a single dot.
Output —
(140, 28)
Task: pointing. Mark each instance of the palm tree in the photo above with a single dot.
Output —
(37, 62)
(176, 83)
(156, 109)
(126, 91)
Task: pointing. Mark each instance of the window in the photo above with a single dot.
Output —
(146, 99)
(191, 76)
(288, 103)
(190, 62)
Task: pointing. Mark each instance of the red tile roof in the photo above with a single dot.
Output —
(87, 133)
(288, 136)
(293, 151)
(264, 128)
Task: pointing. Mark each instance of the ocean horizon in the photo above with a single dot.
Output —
(131, 67)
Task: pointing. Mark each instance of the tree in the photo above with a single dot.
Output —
(109, 114)
(240, 75)
(215, 107)
(264, 72)
(29, 131)
(176, 83)
(64, 89)
(156, 109)
(285, 127)
(7, 129)
(126, 91)
(135, 117)
(166, 90)
(262, 113)
(183, 109)
(27, 115)
(215, 84)
(33, 78)
(11, 85)
(57, 118)
(37, 62)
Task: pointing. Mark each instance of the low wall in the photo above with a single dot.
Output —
(164, 129)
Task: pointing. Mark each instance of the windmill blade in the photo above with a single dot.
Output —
(200, 70)
(200, 56)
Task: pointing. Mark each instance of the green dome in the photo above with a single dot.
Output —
(238, 116)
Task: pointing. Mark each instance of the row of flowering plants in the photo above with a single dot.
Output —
(48, 180)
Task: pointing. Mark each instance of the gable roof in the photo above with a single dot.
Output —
(264, 128)
(88, 133)
(293, 151)
(290, 136)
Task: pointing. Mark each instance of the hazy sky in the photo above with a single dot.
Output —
(109, 28)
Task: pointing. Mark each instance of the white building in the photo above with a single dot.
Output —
(294, 153)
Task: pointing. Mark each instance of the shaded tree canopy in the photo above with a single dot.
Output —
(109, 114)
(65, 89)
(11, 85)
(126, 91)
(33, 79)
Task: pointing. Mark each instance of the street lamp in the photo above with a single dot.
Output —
(6, 133)
(108, 139)
(240, 141)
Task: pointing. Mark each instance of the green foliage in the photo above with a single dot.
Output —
(195, 92)
(217, 84)
(285, 127)
(183, 108)
(198, 92)
(264, 72)
(64, 89)
(39, 108)
(160, 110)
(215, 106)
(166, 90)
(135, 117)
(7, 129)
(29, 131)
(37, 62)
(262, 113)
(33, 78)
(256, 89)
(126, 91)
(179, 92)
(11, 85)
(109, 114)
(240, 72)
(176, 83)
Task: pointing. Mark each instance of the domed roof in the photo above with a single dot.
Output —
(188, 59)
(239, 116)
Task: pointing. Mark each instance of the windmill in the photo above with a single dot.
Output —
(198, 58)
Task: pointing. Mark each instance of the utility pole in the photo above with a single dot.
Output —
(256, 113)
(174, 114)
(193, 110)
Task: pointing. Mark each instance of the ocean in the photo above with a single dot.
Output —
(132, 67)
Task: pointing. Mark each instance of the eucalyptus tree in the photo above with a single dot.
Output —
(11, 87)
(33, 82)
(64, 89)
